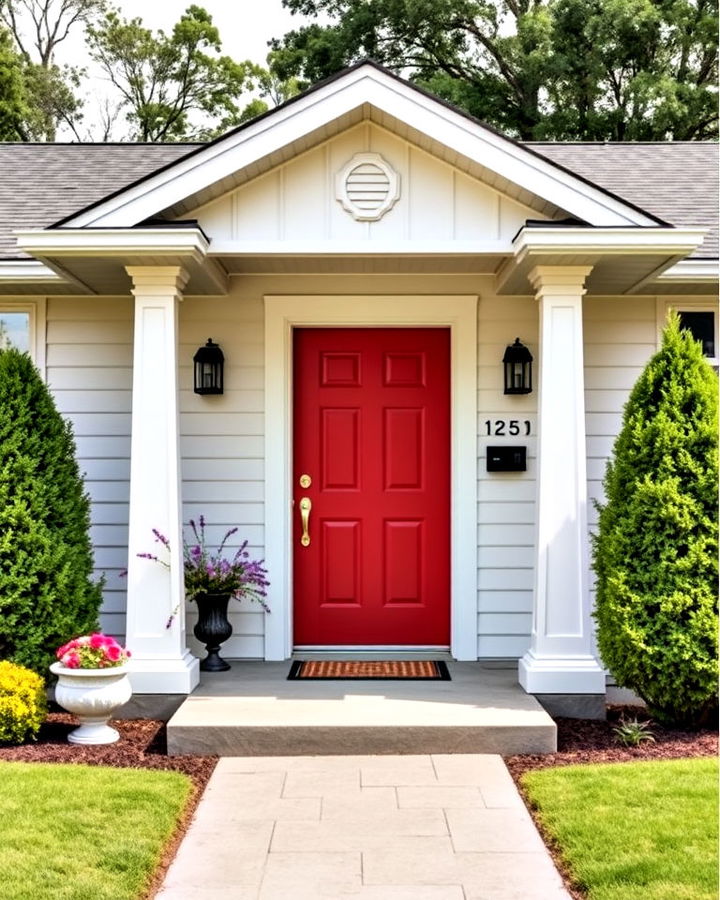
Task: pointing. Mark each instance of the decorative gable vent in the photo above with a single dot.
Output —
(367, 187)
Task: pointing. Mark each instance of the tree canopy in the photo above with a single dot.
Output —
(536, 69)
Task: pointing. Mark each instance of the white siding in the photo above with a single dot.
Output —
(297, 201)
(506, 509)
(89, 369)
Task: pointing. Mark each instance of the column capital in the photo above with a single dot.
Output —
(157, 280)
(558, 280)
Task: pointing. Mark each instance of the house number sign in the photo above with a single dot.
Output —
(507, 426)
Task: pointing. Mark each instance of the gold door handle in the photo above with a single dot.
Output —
(305, 507)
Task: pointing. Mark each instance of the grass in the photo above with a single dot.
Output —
(84, 832)
(634, 830)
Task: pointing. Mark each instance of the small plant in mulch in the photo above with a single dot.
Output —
(632, 732)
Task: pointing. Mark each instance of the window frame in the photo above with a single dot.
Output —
(684, 304)
(37, 313)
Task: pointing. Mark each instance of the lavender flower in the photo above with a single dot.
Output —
(212, 573)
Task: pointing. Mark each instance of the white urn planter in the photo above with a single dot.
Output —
(92, 695)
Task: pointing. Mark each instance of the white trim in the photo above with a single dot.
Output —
(347, 93)
(694, 271)
(459, 313)
(560, 658)
(690, 304)
(67, 242)
(37, 311)
(607, 241)
(349, 205)
(27, 272)
(368, 247)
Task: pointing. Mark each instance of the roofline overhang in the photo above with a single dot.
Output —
(530, 242)
(312, 112)
(114, 242)
(27, 271)
(692, 271)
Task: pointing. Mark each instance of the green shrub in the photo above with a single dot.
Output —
(23, 704)
(47, 595)
(656, 548)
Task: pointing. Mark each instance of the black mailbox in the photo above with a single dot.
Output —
(506, 459)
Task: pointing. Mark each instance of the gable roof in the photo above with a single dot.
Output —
(58, 183)
(677, 181)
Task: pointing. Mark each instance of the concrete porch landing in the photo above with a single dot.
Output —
(253, 710)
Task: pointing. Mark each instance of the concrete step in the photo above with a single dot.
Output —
(252, 710)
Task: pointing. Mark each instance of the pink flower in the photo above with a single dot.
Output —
(71, 660)
(97, 640)
(113, 653)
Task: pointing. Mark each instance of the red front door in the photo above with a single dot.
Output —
(372, 436)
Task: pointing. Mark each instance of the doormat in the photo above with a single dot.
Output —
(367, 670)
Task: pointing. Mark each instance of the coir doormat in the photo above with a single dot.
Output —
(359, 670)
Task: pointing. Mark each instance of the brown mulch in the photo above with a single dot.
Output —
(593, 741)
(590, 741)
(142, 745)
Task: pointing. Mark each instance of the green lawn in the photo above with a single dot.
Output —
(83, 832)
(634, 830)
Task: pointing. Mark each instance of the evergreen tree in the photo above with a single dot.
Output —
(46, 592)
(656, 549)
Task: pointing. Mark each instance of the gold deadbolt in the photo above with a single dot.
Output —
(305, 481)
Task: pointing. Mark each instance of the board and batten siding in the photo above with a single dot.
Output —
(297, 200)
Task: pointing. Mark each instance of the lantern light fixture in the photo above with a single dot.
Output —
(208, 364)
(517, 363)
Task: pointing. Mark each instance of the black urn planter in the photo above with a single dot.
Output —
(212, 629)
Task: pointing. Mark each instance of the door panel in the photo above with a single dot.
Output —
(372, 430)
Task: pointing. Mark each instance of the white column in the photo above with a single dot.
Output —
(161, 662)
(560, 658)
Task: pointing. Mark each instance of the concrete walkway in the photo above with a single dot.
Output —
(433, 827)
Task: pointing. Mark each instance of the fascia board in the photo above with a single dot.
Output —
(692, 270)
(67, 242)
(607, 241)
(361, 248)
(27, 272)
(401, 101)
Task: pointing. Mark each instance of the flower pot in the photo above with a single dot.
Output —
(92, 695)
(212, 628)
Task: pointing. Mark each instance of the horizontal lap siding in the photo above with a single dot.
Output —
(89, 370)
(506, 500)
(222, 444)
(620, 337)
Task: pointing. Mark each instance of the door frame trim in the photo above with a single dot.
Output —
(456, 312)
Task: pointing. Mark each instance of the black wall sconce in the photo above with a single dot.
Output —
(209, 362)
(517, 363)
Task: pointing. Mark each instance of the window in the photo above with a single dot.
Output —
(22, 325)
(15, 330)
(700, 317)
(701, 324)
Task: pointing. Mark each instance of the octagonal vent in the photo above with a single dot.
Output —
(367, 187)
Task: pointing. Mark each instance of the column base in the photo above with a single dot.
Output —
(560, 674)
(165, 675)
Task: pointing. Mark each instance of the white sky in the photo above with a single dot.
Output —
(245, 27)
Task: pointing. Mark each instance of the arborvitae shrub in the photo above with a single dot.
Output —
(656, 547)
(47, 595)
(23, 703)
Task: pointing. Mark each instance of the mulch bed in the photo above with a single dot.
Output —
(142, 745)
